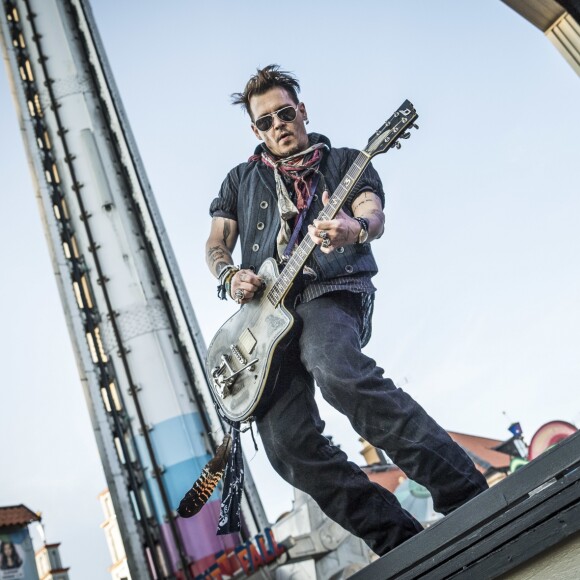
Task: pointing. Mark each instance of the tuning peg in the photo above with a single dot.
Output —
(397, 145)
(405, 135)
(415, 125)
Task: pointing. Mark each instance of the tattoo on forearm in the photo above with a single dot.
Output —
(219, 267)
(365, 197)
(227, 232)
(215, 253)
(366, 200)
(217, 258)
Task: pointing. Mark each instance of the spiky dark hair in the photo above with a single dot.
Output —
(265, 79)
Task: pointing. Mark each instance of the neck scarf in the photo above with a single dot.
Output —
(300, 168)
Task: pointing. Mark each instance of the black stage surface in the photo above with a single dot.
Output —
(525, 514)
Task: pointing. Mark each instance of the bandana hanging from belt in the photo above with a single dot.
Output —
(230, 518)
(229, 463)
(300, 168)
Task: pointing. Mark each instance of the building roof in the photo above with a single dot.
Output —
(541, 13)
(46, 547)
(481, 451)
(388, 476)
(17, 515)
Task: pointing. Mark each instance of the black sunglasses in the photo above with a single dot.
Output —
(286, 114)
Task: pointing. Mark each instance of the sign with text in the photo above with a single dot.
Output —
(249, 557)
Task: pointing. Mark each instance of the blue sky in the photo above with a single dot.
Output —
(478, 309)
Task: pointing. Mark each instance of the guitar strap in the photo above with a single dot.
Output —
(300, 219)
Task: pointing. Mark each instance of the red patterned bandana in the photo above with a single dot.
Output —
(300, 168)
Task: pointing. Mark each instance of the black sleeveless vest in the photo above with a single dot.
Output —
(259, 220)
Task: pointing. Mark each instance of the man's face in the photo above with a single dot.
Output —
(283, 138)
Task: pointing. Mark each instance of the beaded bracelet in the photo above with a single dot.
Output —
(225, 281)
(228, 282)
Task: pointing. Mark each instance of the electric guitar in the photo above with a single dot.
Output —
(245, 355)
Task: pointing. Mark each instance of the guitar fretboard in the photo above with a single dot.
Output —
(305, 248)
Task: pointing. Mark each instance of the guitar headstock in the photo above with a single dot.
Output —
(395, 128)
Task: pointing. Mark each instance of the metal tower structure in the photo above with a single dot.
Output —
(138, 347)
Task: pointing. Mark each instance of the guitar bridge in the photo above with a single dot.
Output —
(224, 376)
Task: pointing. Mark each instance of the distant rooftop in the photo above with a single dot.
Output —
(481, 450)
(17, 515)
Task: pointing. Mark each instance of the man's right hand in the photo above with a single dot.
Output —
(245, 284)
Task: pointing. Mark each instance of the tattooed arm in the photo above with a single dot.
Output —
(343, 229)
(218, 254)
(368, 205)
(220, 244)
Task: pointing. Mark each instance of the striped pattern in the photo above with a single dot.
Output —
(206, 483)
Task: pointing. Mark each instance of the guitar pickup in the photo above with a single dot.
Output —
(248, 341)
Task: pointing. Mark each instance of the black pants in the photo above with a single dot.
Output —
(291, 430)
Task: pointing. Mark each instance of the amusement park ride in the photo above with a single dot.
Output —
(138, 346)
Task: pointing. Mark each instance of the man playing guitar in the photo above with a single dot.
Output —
(270, 203)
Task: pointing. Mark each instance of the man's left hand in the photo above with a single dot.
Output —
(332, 234)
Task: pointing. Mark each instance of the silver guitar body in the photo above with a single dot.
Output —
(244, 356)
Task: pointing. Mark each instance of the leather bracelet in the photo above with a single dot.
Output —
(364, 231)
(225, 271)
(225, 280)
(228, 282)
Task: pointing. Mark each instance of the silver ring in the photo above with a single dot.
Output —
(323, 235)
(239, 295)
(325, 242)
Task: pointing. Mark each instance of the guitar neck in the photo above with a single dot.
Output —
(382, 140)
(298, 259)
